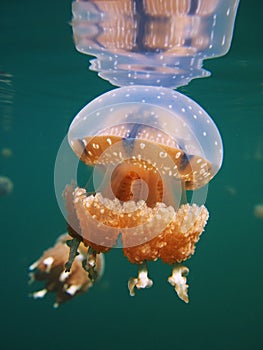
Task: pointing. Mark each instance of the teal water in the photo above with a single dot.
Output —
(44, 83)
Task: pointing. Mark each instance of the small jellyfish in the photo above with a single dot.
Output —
(50, 269)
(6, 186)
(6, 152)
(147, 146)
(258, 211)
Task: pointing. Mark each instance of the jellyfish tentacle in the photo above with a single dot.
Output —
(178, 281)
(73, 244)
(89, 264)
(142, 281)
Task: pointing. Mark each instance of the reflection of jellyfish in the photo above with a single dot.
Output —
(152, 42)
(50, 268)
(6, 100)
(6, 186)
(258, 155)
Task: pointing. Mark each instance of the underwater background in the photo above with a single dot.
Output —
(44, 82)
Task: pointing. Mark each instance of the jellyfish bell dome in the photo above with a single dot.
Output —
(153, 125)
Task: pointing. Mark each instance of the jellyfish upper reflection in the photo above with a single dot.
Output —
(152, 42)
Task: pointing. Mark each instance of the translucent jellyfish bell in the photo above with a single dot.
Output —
(154, 124)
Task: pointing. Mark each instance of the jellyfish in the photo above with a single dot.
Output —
(258, 210)
(6, 152)
(50, 269)
(6, 186)
(147, 147)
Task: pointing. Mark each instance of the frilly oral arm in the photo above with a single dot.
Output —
(178, 280)
(142, 281)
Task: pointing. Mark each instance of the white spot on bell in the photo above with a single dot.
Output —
(163, 154)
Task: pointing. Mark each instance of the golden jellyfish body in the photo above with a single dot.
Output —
(146, 152)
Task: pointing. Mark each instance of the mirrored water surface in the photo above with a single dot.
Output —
(44, 82)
